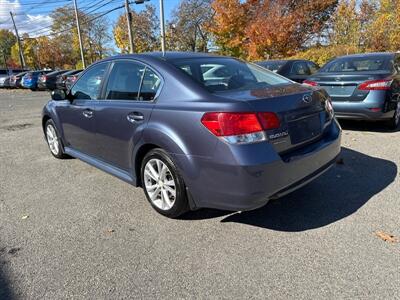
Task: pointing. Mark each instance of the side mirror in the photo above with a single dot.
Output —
(58, 95)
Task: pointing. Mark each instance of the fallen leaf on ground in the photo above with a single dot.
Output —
(110, 230)
(25, 217)
(386, 237)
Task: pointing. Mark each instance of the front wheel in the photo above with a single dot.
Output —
(53, 140)
(163, 185)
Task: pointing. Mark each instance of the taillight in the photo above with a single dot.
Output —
(240, 128)
(329, 107)
(310, 83)
(376, 85)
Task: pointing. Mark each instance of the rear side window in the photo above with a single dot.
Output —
(124, 81)
(358, 64)
(150, 85)
(227, 74)
(132, 81)
(88, 85)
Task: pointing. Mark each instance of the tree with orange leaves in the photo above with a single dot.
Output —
(256, 29)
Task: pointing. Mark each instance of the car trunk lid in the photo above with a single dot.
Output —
(301, 111)
(344, 87)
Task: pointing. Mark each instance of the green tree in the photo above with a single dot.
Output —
(95, 36)
(186, 30)
(346, 25)
(384, 31)
(144, 31)
(7, 40)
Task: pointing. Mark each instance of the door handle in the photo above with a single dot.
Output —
(135, 117)
(87, 113)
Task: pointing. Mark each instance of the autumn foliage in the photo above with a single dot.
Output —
(255, 29)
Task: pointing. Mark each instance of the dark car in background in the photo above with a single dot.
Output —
(363, 86)
(156, 121)
(48, 81)
(30, 79)
(295, 69)
(70, 80)
(15, 80)
(62, 78)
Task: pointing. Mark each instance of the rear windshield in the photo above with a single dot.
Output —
(358, 64)
(228, 74)
(273, 66)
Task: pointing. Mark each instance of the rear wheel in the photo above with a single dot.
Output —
(53, 140)
(163, 185)
(394, 122)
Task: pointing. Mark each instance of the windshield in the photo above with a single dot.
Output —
(273, 66)
(228, 74)
(358, 64)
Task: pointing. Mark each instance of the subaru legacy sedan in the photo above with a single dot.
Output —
(363, 86)
(190, 142)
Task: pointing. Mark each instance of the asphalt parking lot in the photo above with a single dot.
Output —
(68, 230)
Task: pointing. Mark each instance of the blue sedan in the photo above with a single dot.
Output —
(193, 137)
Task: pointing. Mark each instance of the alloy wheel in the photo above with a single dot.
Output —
(159, 184)
(52, 139)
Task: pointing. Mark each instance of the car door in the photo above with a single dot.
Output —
(77, 115)
(299, 71)
(125, 110)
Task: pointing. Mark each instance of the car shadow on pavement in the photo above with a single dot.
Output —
(366, 126)
(335, 195)
(5, 290)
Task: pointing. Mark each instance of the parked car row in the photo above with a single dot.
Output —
(38, 79)
(6, 74)
(361, 86)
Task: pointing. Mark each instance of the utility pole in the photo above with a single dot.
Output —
(21, 53)
(162, 29)
(129, 23)
(79, 35)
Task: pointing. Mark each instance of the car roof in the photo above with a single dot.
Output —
(167, 56)
(368, 54)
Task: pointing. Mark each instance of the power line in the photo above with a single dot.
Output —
(46, 28)
(85, 22)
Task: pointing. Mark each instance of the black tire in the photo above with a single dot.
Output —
(394, 122)
(180, 204)
(60, 154)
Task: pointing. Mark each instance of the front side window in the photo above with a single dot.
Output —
(89, 84)
(228, 74)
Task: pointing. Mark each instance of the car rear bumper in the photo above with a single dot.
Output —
(371, 108)
(251, 175)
